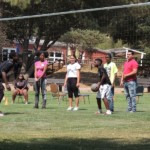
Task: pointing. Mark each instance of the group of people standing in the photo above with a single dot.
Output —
(106, 74)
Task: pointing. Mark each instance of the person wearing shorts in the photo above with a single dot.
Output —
(111, 70)
(104, 88)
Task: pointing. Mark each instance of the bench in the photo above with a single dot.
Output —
(145, 82)
(59, 82)
(139, 91)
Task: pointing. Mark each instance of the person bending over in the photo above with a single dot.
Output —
(5, 67)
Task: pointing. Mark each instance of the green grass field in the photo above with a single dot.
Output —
(54, 128)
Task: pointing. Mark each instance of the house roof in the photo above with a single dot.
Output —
(122, 52)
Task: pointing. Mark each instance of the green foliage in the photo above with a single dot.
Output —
(109, 43)
(23, 4)
(147, 51)
(86, 39)
(124, 26)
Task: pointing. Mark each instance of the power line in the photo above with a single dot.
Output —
(76, 11)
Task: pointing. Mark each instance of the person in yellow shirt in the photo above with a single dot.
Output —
(111, 70)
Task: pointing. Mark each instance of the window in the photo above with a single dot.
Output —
(6, 52)
(51, 54)
(54, 56)
(57, 54)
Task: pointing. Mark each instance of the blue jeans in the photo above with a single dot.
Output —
(111, 101)
(40, 84)
(130, 92)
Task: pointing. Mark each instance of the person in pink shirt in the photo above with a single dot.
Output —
(40, 79)
(129, 80)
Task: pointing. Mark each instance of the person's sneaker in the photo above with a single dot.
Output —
(70, 108)
(1, 114)
(108, 112)
(98, 112)
(26, 103)
(132, 111)
(76, 108)
(128, 110)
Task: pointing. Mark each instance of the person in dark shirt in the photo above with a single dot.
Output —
(104, 88)
(5, 67)
(21, 88)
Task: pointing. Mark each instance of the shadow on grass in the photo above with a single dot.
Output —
(13, 113)
(74, 144)
(82, 109)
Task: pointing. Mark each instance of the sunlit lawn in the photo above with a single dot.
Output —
(23, 127)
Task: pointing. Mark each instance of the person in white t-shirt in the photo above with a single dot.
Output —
(72, 82)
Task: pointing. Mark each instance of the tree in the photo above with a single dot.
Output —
(83, 39)
(121, 24)
(3, 38)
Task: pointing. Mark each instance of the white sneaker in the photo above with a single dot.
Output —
(76, 108)
(70, 108)
(1, 114)
(108, 112)
(26, 103)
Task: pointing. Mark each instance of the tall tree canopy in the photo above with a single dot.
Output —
(130, 25)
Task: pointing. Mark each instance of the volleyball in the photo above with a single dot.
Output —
(94, 87)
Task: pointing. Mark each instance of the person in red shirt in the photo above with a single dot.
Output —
(129, 80)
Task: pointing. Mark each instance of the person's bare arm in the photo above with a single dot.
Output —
(113, 82)
(44, 71)
(4, 76)
(78, 78)
(102, 80)
(65, 82)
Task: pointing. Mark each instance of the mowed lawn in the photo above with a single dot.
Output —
(24, 127)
